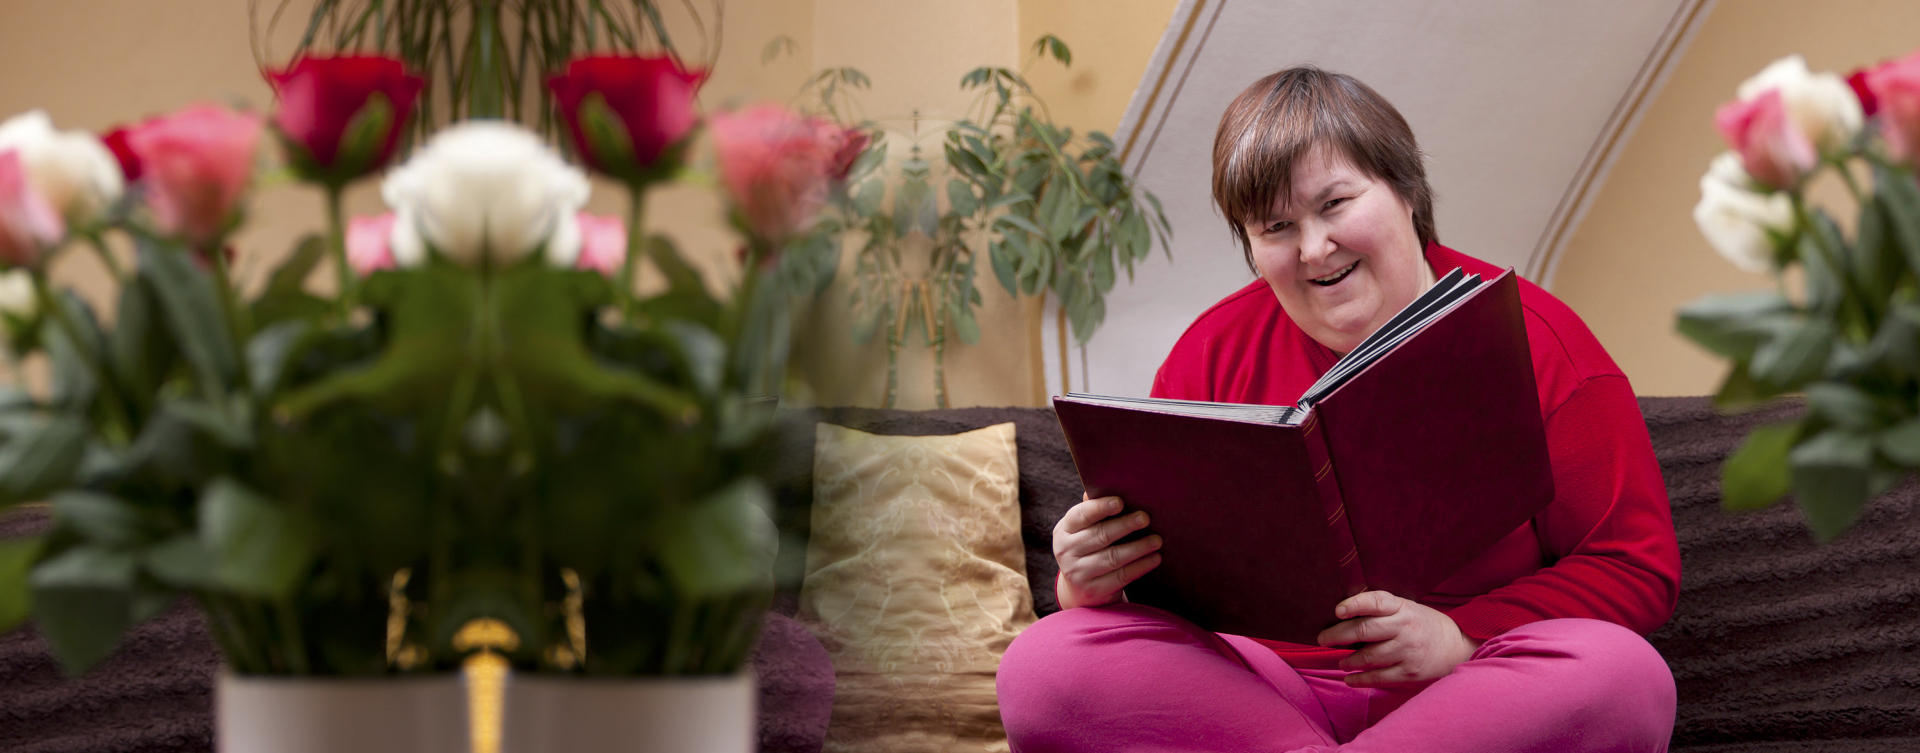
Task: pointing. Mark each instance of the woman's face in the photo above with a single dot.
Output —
(1341, 253)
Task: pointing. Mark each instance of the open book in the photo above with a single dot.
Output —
(1411, 456)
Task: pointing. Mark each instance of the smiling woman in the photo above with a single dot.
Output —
(1535, 645)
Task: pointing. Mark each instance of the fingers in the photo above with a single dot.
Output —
(1367, 604)
(1361, 630)
(1131, 570)
(1102, 535)
(1079, 517)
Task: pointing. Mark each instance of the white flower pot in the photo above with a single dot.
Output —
(699, 714)
(333, 715)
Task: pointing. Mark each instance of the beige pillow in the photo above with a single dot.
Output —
(916, 582)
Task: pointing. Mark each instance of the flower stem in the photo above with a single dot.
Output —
(230, 305)
(106, 257)
(337, 248)
(119, 419)
(1832, 257)
(636, 241)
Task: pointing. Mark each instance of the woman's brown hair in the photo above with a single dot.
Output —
(1282, 117)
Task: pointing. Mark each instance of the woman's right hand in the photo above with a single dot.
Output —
(1092, 569)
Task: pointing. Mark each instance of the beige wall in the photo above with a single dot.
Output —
(1637, 257)
(96, 63)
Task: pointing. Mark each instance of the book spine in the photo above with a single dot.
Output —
(1327, 483)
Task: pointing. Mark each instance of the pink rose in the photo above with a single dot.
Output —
(28, 224)
(196, 165)
(1773, 149)
(776, 166)
(370, 244)
(603, 243)
(1896, 91)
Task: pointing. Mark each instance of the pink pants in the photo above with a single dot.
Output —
(1134, 678)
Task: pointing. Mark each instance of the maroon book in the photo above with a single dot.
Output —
(1416, 452)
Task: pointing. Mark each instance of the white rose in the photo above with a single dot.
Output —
(482, 189)
(72, 170)
(1737, 219)
(16, 294)
(1821, 105)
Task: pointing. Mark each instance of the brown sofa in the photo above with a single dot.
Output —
(1779, 644)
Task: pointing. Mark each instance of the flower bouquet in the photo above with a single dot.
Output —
(1847, 336)
(479, 438)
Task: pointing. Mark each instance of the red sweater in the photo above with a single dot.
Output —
(1604, 548)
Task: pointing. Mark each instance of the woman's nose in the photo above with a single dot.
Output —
(1316, 244)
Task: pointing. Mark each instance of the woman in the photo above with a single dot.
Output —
(1536, 645)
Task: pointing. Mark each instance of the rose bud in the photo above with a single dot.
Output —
(29, 226)
(370, 244)
(1896, 89)
(776, 167)
(627, 116)
(341, 117)
(196, 166)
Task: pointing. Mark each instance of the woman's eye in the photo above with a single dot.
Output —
(1278, 226)
(1331, 203)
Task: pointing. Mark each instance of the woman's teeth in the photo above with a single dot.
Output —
(1335, 277)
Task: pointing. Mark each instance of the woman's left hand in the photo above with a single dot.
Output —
(1407, 642)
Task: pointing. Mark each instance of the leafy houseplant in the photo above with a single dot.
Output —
(1055, 214)
(1850, 340)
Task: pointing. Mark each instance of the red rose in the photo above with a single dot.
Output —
(650, 99)
(1895, 87)
(1869, 104)
(116, 141)
(852, 143)
(341, 117)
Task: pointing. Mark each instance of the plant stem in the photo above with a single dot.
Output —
(1832, 257)
(106, 257)
(118, 416)
(636, 241)
(236, 325)
(337, 248)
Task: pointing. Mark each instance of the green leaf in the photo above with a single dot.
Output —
(1020, 223)
(74, 384)
(1825, 290)
(1901, 198)
(723, 544)
(1796, 356)
(230, 425)
(16, 598)
(39, 454)
(964, 324)
(1844, 405)
(182, 562)
(191, 307)
(1739, 390)
(960, 197)
(139, 348)
(686, 296)
(1756, 474)
(83, 601)
(1732, 325)
(1830, 478)
(286, 296)
(1001, 257)
(1901, 443)
(259, 550)
(606, 136)
(867, 201)
(98, 518)
(1103, 269)
(365, 137)
(1873, 258)
(270, 352)
(702, 351)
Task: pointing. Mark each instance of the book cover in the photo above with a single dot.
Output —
(1420, 453)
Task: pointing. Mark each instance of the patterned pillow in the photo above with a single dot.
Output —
(916, 582)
